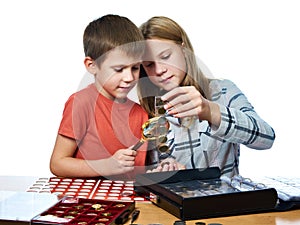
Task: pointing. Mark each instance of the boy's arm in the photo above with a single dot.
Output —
(63, 163)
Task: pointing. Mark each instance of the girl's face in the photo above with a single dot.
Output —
(117, 75)
(164, 63)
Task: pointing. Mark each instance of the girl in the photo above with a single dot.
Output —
(209, 118)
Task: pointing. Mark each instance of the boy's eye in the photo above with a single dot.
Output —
(118, 69)
(135, 68)
(148, 64)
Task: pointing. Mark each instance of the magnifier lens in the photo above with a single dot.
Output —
(152, 130)
(162, 120)
(162, 130)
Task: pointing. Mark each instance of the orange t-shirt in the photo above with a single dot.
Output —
(101, 126)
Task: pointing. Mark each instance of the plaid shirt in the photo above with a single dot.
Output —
(200, 146)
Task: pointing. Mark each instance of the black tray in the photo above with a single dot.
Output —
(194, 194)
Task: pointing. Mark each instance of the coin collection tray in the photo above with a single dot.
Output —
(195, 194)
(97, 188)
(72, 211)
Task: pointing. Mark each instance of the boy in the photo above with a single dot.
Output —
(100, 123)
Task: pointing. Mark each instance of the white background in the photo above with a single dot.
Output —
(254, 43)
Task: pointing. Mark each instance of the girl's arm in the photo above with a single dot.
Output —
(229, 113)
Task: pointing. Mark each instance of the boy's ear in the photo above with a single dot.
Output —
(90, 65)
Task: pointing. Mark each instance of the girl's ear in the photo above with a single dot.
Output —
(90, 65)
(183, 47)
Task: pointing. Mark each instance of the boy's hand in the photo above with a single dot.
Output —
(122, 161)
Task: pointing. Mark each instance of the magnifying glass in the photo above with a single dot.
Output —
(155, 128)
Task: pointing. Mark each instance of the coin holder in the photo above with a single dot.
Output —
(71, 211)
(97, 188)
(159, 106)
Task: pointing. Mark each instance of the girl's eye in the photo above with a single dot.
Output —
(166, 56)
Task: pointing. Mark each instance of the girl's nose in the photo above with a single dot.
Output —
(160, 69)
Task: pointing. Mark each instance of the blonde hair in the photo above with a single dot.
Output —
(164, 28)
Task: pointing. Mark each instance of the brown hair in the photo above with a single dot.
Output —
(161, 27)
(109, 32)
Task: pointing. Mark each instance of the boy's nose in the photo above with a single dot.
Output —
(128, 75)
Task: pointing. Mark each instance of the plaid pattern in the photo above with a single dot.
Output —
(201, 146)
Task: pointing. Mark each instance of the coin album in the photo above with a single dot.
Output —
(72, 210)
(195, 194)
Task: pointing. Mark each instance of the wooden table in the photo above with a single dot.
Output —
(155, 215)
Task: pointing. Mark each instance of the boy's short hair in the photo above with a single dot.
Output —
(109, 32)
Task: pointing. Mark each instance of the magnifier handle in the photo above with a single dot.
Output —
(138, 145)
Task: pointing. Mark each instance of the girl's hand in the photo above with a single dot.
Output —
(168, 164)
(187, 101)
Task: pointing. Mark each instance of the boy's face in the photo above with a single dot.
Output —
(117, 75)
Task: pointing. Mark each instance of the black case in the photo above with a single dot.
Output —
(217, 198)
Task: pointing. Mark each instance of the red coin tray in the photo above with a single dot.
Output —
(72, 210)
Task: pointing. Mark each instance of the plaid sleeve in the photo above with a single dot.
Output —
(239, 122)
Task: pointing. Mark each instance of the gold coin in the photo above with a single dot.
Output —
(69, 217)
(119, 205)
(103, 219)
(161, 111)
(96, 206)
